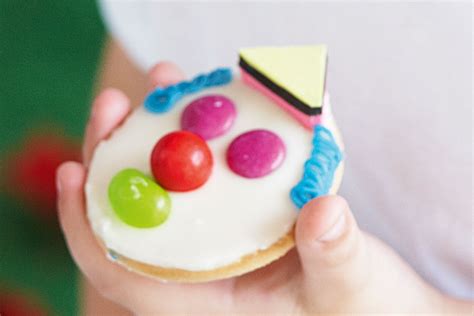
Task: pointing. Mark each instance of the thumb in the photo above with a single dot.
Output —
(332, 249)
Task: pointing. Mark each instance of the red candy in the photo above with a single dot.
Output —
(181, 161)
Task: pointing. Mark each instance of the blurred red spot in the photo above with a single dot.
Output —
(16, 305)
(31, 170)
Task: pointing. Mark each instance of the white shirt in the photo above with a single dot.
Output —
(400, 83)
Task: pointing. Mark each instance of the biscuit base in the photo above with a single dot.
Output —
(246, 264)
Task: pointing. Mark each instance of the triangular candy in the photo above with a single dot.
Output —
(295, 74)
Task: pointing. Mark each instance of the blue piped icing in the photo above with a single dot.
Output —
(318, 169)
(161, 100)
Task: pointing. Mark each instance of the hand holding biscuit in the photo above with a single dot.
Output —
(335, 268)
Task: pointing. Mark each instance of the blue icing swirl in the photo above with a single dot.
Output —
(161, 100)
(318, 169)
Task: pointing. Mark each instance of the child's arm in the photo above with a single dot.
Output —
(118, 71)
(337, 268)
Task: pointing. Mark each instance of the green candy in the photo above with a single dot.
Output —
(138, 200)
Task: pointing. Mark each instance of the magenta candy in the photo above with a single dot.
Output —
(256, 153)
(209, 116)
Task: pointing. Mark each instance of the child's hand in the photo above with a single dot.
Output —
(336, 268)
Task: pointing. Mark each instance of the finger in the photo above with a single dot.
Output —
(81, 242)
(332, 249)
(112, 280)
(164, 74)
(109, 109)
(93, 303)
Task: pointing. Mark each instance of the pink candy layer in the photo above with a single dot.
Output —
(307, 120)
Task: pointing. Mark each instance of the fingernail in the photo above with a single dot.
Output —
(93, 112)
(58, 182)
(335, 231)
(59, 176)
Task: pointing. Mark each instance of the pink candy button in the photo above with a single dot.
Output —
(209, 116)
(256, 153)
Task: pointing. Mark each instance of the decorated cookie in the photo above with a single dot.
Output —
(206, 179)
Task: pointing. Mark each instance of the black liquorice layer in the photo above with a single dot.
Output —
(281, 92)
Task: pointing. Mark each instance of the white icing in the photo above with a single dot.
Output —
(219, 223)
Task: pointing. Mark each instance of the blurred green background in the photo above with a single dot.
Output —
(49, 52)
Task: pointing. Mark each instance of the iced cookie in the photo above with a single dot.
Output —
(205, 180)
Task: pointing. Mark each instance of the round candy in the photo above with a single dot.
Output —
(209, 116)
(138, 200)
(256, 153)
(181, 161)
